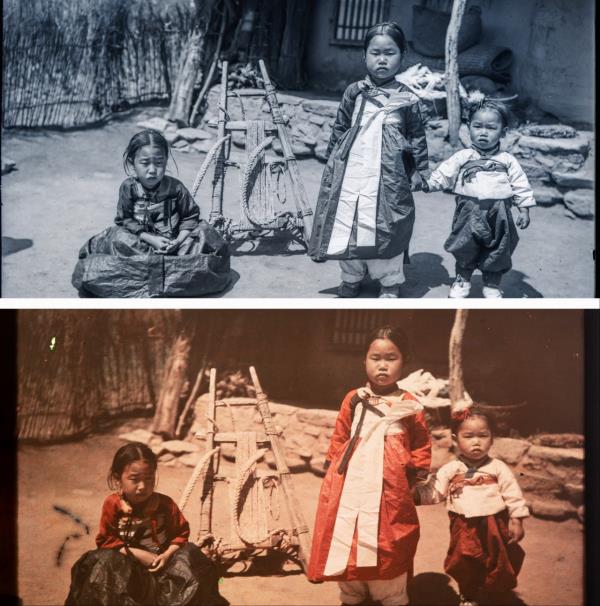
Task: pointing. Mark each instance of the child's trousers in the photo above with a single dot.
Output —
(389, 592)
(483, 237)
(389, 272)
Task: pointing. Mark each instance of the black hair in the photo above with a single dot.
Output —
(473, 411)
(387, 28)
(491, 105)
(395, 335)
(139, 140)
(127, 454)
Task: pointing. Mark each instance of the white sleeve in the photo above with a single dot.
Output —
(522, 192)
(444, 176)
(511, 492)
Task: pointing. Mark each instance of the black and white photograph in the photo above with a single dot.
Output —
(295, 457)
(263, 149)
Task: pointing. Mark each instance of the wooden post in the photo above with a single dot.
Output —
(299, 525)
(456, 382)
(206, 502)
(289, 65)
(216, 211)
(300, 196)
(167, 407)
(452, 83)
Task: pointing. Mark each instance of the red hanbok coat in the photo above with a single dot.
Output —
(405, 455)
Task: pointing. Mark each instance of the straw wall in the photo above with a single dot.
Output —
(75, 63)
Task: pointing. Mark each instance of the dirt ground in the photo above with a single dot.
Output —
(73, 476)
(65, 190)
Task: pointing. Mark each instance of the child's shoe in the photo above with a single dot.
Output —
(389, 292)
(460, 289)
(348, 290)
(492, 292)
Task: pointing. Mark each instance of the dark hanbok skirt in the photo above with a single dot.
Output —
(483, 235)
(116, 263)
(105, 577)
(480, 556)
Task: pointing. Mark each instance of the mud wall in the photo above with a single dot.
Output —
(552, 43)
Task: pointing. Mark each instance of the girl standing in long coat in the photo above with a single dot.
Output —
(366, 528)
(365, 210)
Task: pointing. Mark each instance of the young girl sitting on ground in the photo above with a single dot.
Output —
(366, 528)
(159, 246)
(143, 554)
(487, 182)
(365, 211)
(486, 509)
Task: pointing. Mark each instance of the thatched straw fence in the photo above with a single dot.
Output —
(75, 63)
(77, 369)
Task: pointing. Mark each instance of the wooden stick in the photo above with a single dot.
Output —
(452, 82)
(298, 186)
(298, 524)
(208, 488)
(456, 385)
(219, 177)
(190, 401)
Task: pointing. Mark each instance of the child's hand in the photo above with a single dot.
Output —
(172, 246)
(160, 243)
(523, 218)
(417, 183)
(515, 530)
(160, 561)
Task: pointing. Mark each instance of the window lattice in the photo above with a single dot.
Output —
(354, 17)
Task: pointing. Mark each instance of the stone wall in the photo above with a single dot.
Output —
(558, 159)
(549, 467)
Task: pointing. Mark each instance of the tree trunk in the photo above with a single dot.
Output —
(289, 67)
(456, 382)
(452, 82)
(167, 408)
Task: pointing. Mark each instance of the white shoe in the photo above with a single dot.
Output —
(491, 292)
(460, 289)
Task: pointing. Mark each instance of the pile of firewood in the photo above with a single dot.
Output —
(235, 384)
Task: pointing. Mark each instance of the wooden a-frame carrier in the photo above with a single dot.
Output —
(250, 489)
(262, 181)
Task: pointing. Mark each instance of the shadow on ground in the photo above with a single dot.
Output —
(280, 244)
(424, 272)
(433, 589)
(14, 245)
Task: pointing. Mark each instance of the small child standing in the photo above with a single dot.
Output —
(487, 182)
(158, 246)
(143, 554)
(377, 154)
(486, 508)
(367, 529)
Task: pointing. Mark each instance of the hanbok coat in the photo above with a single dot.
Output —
(365, 208)
(366, 525)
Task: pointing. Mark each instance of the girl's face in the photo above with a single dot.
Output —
(149, 165)
(137, 482)
(474, 439)
(486, 128)
(383, 58)
(383, 363)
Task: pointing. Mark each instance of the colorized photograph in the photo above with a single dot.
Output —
(268, 457)
(298, 149)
